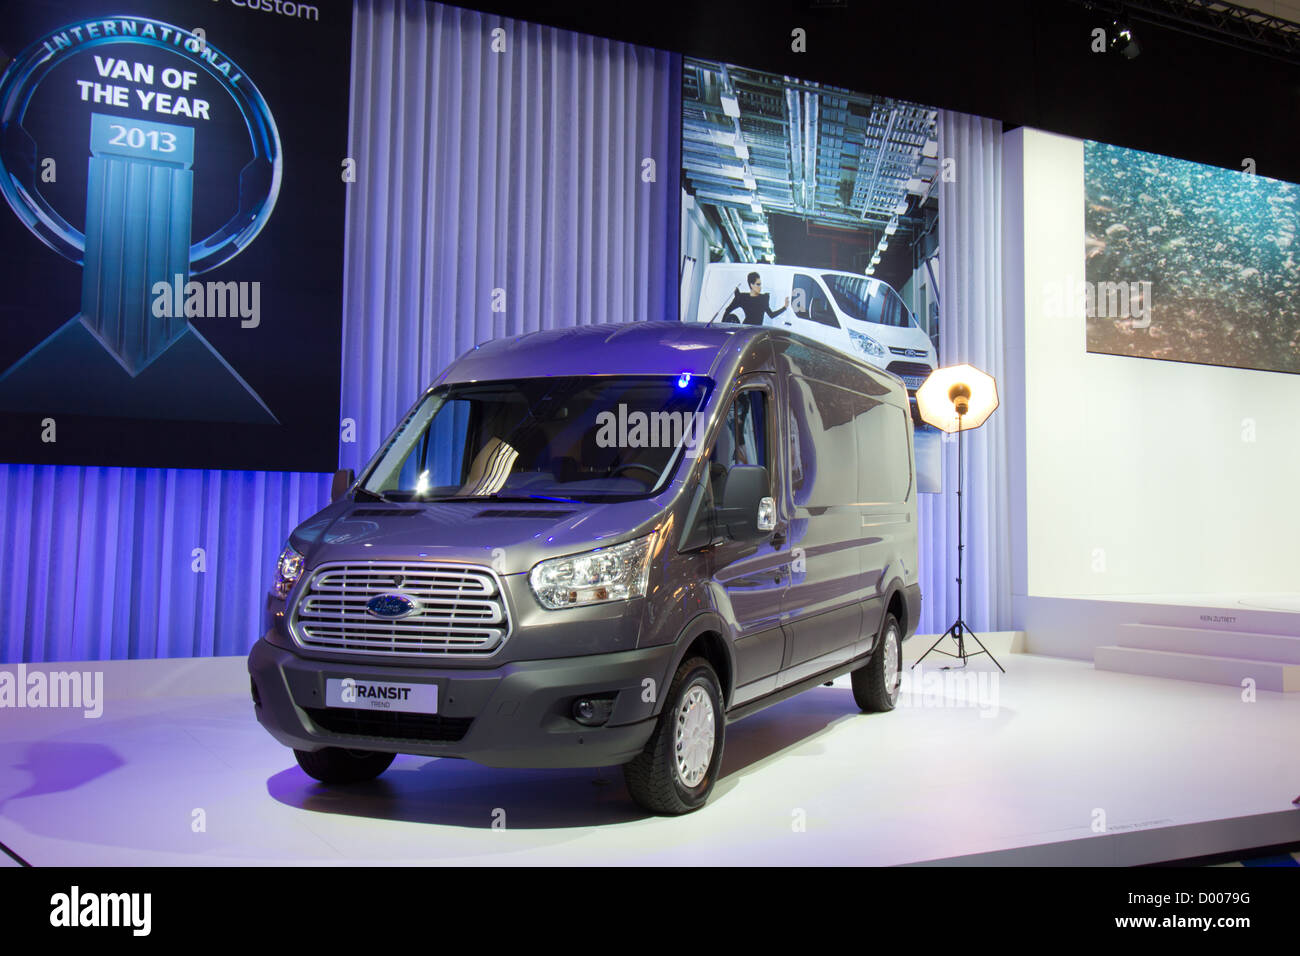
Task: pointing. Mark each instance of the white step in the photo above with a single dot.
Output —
(1215, 643)
(1207, 668)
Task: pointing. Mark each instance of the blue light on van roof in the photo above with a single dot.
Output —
(684, 379)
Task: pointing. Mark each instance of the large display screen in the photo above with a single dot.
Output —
(1190, 263)
(814, 209)
(174, 179)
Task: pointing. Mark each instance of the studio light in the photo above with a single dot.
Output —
(957, 399)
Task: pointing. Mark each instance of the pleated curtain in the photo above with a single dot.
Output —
(511, 177)
(970, 331)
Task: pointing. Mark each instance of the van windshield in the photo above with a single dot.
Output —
(574, 438)
(868, 300)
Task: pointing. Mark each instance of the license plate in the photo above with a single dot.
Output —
(381, 695)
(913, 381)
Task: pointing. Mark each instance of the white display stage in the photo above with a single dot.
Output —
(1054, 763)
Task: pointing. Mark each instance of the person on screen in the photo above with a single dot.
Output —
(754, 304)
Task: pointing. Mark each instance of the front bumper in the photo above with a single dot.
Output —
(514, 715)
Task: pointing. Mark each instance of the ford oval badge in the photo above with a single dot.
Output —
(390, 606)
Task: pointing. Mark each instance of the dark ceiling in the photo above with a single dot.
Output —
(1028, 62)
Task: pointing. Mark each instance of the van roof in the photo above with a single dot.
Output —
(780, 269)
(761, 267)
(630, 348)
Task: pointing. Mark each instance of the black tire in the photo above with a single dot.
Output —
(652, 777)
(869, 690)
(337, 765)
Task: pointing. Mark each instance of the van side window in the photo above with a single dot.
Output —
(808, 301)
(826, 449)
(883, 451)
(802, 296)
(742, 439)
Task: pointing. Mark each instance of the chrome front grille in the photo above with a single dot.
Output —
(459, 610)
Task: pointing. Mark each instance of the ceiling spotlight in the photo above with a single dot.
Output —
(1122, 40)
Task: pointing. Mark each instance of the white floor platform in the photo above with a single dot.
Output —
(1013, 771)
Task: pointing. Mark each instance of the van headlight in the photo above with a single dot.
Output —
(288, 569)
(866, 345)
(594, 577)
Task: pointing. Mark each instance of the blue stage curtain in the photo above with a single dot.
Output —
(522, 171)
(510, 180)
(971, 331)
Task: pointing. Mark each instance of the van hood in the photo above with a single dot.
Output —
(510, 536)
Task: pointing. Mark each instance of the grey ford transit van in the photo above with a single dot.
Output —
(600, 545)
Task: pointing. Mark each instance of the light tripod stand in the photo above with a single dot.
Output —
(958, 399)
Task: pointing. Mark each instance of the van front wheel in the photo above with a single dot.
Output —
(337, 765)
(876, 683)
(676, 771)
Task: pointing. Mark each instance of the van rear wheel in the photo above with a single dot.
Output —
(676, 771)
(338, 765)
(876, 683)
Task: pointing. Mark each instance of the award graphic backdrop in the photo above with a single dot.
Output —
(174, 233)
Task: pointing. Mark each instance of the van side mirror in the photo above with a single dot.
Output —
(343, 479)
(747, 512)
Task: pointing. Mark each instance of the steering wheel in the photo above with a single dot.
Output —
(633, 464)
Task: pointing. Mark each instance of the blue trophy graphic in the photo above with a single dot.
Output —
(133, 351)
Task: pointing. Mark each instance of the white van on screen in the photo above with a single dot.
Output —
(856, 314)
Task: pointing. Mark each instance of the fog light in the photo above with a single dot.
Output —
(592, 711)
